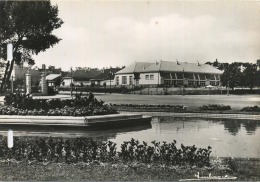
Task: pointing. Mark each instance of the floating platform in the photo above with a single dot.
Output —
(112, 120)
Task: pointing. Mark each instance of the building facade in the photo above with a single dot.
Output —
(174, 74)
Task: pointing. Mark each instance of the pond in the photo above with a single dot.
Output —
(228, 138)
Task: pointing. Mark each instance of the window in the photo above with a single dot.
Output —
(167, 82)
(151, 77)
(124, 80)
(179, 82)
(190, 83)
(147, 77)
(202, 83)
(213, 83)
(137, 82)
(117, 80)
(131, 80)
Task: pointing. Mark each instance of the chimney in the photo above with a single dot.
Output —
(198, 63)
(43, 66)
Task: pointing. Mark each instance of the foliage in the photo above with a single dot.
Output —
(20, 104)
(232, 76)
(249, 76)
(214, 107)
(28, 25)
(88, 150)
(251, 109)
(150, 106)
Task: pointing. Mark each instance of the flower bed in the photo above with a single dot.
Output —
(19, 104)
(150, 106)
(251, 109)
(87, 150)
(215, 107)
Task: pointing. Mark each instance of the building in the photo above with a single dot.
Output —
(53, 80)
(80, 77)
(167, 73)
(106, 78)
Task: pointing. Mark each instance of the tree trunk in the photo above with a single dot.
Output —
(4, 79)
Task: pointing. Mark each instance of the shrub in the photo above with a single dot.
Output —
(251, 109)
(88, 150)
(214, 107)
(20, 104)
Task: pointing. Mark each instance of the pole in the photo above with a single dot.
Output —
(70, 81)
(228, 88)
(12, 84)
(183, 82)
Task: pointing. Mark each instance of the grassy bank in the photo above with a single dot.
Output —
(243, 169)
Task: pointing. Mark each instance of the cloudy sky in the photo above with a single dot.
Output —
(116, 33)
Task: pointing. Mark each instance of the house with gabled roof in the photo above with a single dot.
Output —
(168, 73)
(80, 77)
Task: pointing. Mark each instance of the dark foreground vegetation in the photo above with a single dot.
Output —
(86, 159)
(87, 150)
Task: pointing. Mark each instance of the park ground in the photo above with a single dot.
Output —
(243, 169)
(236, 102)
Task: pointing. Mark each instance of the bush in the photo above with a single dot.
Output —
(88, 150)
(150, 106)
(20, 104)
(251, 109)
(214, 107)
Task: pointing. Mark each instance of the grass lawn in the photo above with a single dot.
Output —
(243, 169)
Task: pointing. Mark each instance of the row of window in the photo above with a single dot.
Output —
(124, 80)
(190, 76)
(149, 77)
(190, 83)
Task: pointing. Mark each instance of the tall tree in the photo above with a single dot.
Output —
(28, 25)
(232, 76)
(249, 76)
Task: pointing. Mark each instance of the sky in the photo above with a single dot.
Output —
(118, 33)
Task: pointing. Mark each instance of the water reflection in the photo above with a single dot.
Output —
(66, 132)
(234, 126)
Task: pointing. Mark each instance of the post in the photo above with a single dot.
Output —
(228, 88)
(71, 81)
(12, 84)
(183, 82)
(28, 83)
(10, 139)
(44, 85)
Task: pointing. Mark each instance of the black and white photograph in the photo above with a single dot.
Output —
(129, 90)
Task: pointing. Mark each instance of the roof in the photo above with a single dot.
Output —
(135, 67)
(84, 75)
(107, 74)
(167, 66)
(51, 77)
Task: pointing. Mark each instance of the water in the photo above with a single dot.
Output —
(228, 138)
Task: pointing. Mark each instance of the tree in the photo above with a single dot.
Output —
(232, 76)
(249, 76)
(28, 25)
